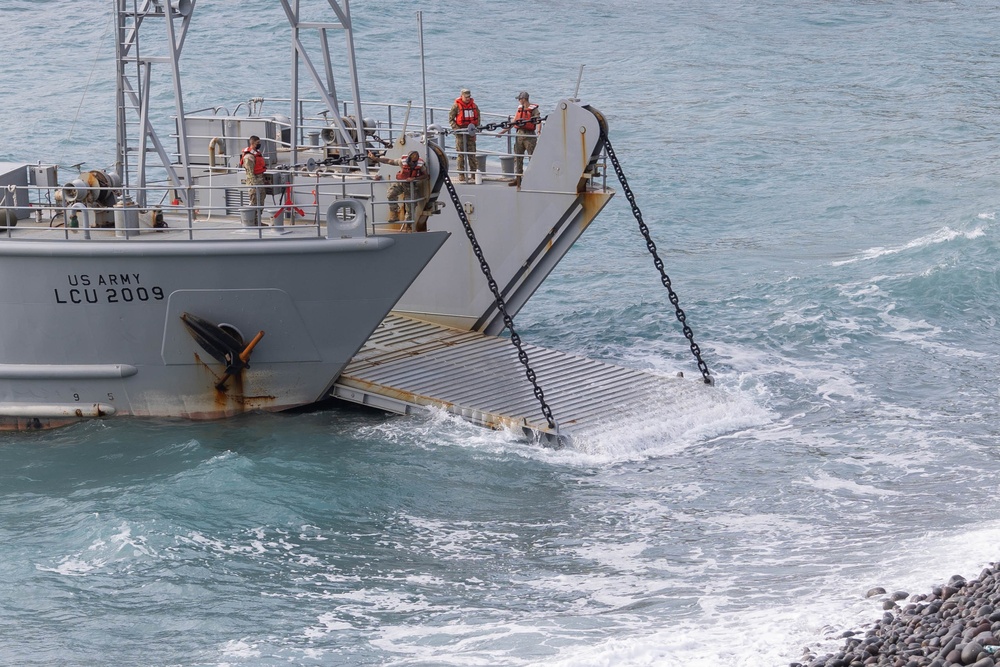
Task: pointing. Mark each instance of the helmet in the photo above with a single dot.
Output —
(413, 156)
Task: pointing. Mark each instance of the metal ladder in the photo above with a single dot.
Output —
(136, 134)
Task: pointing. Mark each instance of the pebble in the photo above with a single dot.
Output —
(956, 625)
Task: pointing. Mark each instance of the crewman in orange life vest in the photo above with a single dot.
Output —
(411, 169)
(464, 120)
(252, 161)
(528, 122)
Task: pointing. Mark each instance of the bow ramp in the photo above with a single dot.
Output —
(409, 364)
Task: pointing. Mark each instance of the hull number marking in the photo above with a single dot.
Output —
(107, 288)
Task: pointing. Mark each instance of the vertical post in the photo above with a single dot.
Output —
(120, 166)
(296, 106)
(143, 79)
(579, 78)
(423, 83)
(175, 54)
(348, 24)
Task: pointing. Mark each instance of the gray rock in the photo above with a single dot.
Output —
(947, 628)
(950, 646)
(970, 653)
(985, 638)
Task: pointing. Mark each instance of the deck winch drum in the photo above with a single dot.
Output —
(92, 187)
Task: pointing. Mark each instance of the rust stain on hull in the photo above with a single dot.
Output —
(9, 424)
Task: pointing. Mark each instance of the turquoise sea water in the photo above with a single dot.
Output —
(821, 181)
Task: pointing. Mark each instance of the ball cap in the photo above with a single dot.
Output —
(465, 91)
(523, 95)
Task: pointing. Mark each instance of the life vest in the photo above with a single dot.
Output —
(468, 113)
(408, 173)
(259, 166)
(526, 115)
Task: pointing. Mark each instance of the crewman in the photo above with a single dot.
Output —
(527, 120)
(252, 161)
(464, 120)
(411, 169)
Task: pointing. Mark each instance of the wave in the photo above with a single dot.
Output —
(942, 235)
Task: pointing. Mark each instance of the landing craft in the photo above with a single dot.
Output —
(329, 257)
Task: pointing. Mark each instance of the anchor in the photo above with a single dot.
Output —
(221, 345)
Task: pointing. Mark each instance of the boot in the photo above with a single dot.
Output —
(393, 216)
(516, 182)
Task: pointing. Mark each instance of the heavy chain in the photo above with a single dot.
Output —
(501, 306)
(338, 160)
(491, 127)
(695, 350)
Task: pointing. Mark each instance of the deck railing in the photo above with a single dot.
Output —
(298, 196)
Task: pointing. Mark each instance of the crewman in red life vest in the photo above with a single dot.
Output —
(528, 122)
(411, 169)
(464, 120)
(252, 161)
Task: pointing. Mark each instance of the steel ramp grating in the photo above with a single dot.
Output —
(408, 364)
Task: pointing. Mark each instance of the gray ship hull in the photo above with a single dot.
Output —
(94, 329)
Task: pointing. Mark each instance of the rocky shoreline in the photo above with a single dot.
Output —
(957, 624)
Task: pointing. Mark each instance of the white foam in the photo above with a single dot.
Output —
(826, 482)
(774, 632)
(921, 334)
(72, 566)
(240, 648)
(119, 548)
(327, 623)
(942, 235)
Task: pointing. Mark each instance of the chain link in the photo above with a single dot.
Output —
(681, 317)
(502, 307)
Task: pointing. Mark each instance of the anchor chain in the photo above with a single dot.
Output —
(335, 160)
(681, 317)
(490, 127)
(338, 160)
(501, 305)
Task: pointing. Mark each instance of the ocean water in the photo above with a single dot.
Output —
(821, 179)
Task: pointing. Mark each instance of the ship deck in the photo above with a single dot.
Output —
(47, 222)
(409, 365)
